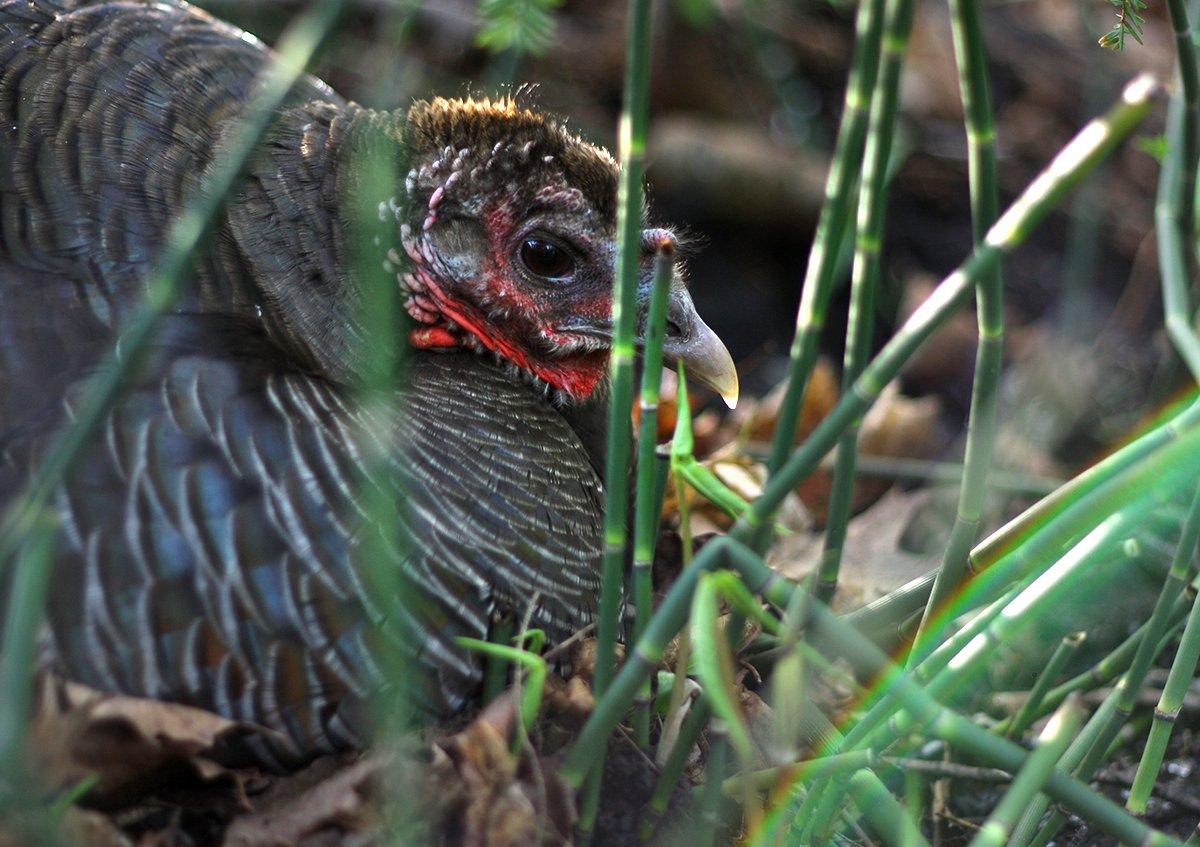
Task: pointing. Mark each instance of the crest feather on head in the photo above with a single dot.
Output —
(484, 122)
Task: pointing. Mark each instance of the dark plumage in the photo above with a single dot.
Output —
(209, 537)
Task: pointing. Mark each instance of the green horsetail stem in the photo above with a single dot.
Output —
(884, 707)
(798, 773)
(1115, 662)
(1168, 468)
(713, 656)
(681, 448)
(1030, 708)
(1189, 85)
(1070, 520)
(1083, 561)
(1130, 685)
(648, 495)
(1172, 422)
(184, 235)
(971, 58)
(1026, 557)
(1091, 145)
(992, 750)
(1183, 668)
(1091, 558)
(388, 589)
(495, 671)
(22, 621)
(942, 722)
(1032, 777)
(1131, 681)
(867, 269)
(1096, 740)
(632, 152)
(1029, 830)
(1169, 465)
(714, 774)
(1172, 234)
(672, 769)
(531, 688)
(831, 226)
(883, 812)
(632, 148)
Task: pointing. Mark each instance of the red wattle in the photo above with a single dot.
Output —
(433, 338)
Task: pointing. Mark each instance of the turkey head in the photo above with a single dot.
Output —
(510, 228)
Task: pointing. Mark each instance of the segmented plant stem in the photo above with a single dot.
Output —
(1183, 668)
(668, 778)
(1031, 778)
(971, 57)
(632, 150)
(1189, 93)
(1172, 236)
(648, 500)
(714, 776)
(831, 227)
(1117, 661)
(883, 811)
(1031, 707)
(22, 619)
(954, 729)
(1102, 729)
(632, 140)
(868, 245)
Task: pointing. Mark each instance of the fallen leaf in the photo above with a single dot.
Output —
(484, 796)
(877, 556)
(335, 806)
(134, 748)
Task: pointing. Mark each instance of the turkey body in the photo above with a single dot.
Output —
(211, 537)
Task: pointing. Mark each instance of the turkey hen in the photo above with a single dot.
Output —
(210, 537)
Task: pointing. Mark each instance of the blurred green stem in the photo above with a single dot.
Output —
(867, 269)
(831, 226)
(1183, 668)
(1029, 781)
(1102, 729)
(22, 619)
(971, 57)
(885, 814)
(1031, 707)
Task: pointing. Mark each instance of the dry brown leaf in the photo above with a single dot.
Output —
(895, 427)
(571, 699)
(133, 748)
(484, 796)
(756, 419)
(875, 559)
(334, 807)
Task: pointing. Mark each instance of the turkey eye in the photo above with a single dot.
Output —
(546, 259)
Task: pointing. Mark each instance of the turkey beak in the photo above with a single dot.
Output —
(691, 341)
